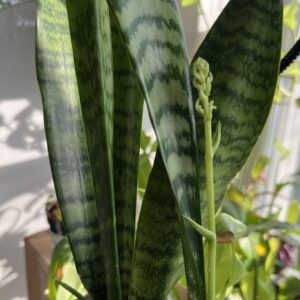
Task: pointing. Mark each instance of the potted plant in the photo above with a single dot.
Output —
(96, 62)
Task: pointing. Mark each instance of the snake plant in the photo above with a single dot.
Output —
(97, 62)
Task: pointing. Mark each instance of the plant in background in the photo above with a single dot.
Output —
(62, 270)
(96, 62)
(272, 237)
(148, 148)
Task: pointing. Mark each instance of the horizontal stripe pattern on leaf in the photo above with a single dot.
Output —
(67, 142)
(243, 51)
(152, 31)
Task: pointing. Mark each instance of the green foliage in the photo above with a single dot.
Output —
(147, 150)
(96, 61)
(290, 289)
(267, 235)
(70, 147)
(293, 212)
(188, 2)
(231, 44)
(283, 151)
(227, 224)
(230, 269)
(62, 269)
(68, 289)
(257, 284)
(128, 109)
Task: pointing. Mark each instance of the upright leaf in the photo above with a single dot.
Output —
(75, 102)
(91, 40)
(157, 261)
(252, 51)
(128, 109)
(153, 34)
(243, 50)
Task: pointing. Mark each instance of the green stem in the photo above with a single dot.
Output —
(255, 285)
(207, 234)
(212, 244)
(202, 82)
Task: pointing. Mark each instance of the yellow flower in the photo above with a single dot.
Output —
(260, 250)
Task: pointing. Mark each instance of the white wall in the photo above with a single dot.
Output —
(25, 179)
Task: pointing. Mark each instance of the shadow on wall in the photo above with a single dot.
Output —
(25, 178)
(21, 125)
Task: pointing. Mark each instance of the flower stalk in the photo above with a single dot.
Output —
(202, 79)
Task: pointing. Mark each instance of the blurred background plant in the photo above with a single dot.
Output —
(270, 251)
(256, 261)
(62, 269)
(148, 146)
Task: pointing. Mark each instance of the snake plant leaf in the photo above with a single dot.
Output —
(226, 172)
(67, 142)
(91, 40)
(157, 245)
(72, 150)
(243, 51)
(128, 109)
(152, 31)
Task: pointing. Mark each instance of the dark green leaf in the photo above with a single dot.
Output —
(154, 37)
(290, 289)
(128, 109)
(227, 224)
(92, 52)
(157, 262)
(74, 101)
(243, 50)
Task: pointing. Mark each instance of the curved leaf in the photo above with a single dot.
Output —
(231, 102)
(157, 261)
(227, 224)
(152, 31)
(61, 254)
(243, 50)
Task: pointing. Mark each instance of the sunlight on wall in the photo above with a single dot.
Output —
(25, 180)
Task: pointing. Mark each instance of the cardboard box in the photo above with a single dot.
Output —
(38, 251)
